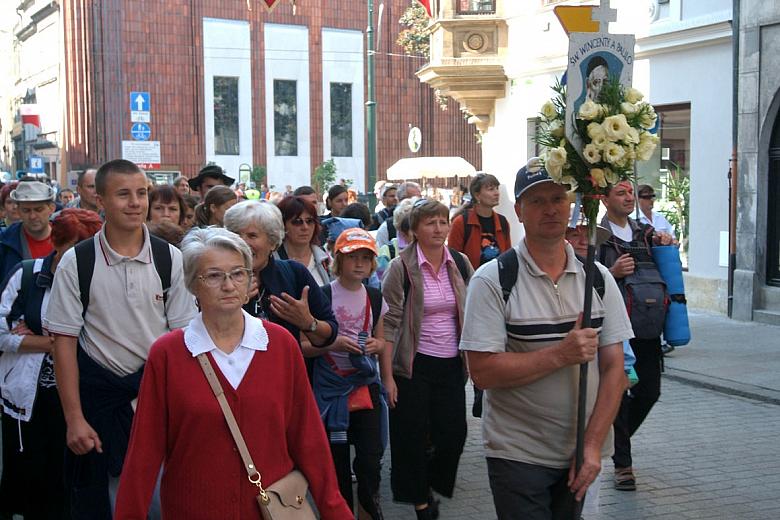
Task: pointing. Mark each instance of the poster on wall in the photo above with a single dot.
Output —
(593, 59)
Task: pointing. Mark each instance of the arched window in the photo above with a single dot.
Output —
(773, 209)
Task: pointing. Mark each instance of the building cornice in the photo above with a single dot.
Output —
(647, 46)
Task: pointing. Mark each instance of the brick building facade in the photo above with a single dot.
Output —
(114, 47)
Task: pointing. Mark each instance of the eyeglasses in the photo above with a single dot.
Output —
(238, 276)
(419, 202)
(298, 222)
(647, 197)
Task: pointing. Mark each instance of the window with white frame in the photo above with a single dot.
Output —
(285, 117)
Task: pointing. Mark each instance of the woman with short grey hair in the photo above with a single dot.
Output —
(178, 417)
(266, 216)
(198, 241)
(286, 294)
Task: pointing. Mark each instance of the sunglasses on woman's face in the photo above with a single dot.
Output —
(298, 222)
(647, 197)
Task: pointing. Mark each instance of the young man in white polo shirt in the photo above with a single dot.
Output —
(526, 353)
(100, 354)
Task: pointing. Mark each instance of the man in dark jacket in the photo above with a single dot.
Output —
(31, 236)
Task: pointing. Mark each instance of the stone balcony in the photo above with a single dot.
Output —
(467, 60)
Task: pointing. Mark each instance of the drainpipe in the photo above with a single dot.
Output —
(733, 169)
(370, 108)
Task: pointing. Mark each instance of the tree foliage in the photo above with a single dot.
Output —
(324, 176)
(415, 38)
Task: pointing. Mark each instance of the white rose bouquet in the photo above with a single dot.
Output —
(614, 132)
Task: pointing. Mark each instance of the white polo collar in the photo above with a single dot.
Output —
(198, 341)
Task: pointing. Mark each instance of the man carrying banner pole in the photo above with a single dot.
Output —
(526, 354)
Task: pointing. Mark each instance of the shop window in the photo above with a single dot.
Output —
(341, 119)
(285, 117)
(226, 133)
(668, 171)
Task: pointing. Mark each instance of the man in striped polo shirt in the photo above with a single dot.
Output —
(526, 353)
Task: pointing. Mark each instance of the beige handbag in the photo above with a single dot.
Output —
(285, 499)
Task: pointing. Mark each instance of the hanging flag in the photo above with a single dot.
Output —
(30, 115)
(427, 5)
(270, 4)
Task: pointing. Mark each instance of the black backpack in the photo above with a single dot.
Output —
(85, 263)
(644, 290)
(508, 264)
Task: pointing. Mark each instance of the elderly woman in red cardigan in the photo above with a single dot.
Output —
(179, 425)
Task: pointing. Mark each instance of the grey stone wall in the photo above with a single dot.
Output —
(758, 104)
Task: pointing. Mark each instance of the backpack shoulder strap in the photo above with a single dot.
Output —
(407, 283)
(508, 265)
(461, 263)
(19, 306)
(598, 278)
(161, 256)
(391, 247)
(27, 276)
(375, 297)
(391, 231)
(466, 227)
(30, 302)
(85, 264)
(327, 290)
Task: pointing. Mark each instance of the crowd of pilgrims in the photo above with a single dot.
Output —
(330, 332)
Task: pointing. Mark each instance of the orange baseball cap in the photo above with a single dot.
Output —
(353, 239)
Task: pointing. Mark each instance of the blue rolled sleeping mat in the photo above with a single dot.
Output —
(677, 332)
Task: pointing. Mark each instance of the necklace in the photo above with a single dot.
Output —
(259, 307)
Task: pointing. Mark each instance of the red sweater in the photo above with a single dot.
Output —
(178, 423)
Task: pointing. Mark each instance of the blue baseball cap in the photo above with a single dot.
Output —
(529, 175)
(336, 225)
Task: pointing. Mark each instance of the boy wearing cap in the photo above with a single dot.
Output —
(349, 367)
(31, 236)
(526, 351)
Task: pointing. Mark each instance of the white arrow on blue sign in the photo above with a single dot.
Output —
(140, 131)
(139, 101)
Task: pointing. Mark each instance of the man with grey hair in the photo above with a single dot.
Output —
(387, 231)
(113, 296)
(85, 187)
(31, 236)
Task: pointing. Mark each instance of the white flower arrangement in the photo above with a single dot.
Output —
(614, 131)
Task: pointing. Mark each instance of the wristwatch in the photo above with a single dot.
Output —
(313, 326)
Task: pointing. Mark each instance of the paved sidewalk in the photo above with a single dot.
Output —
(730, 355)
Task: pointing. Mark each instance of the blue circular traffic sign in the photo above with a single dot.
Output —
(141, 132)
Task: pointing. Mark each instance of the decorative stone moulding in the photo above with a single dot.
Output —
(467, 63)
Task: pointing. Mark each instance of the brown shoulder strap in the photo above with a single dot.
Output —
(252, 472)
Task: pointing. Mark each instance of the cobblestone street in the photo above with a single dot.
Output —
(701, 454)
